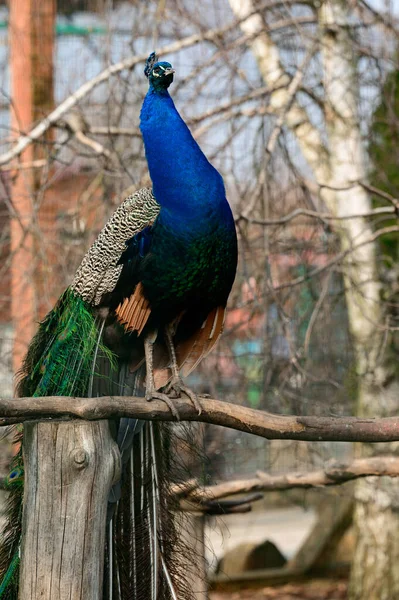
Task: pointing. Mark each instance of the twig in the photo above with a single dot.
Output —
(109, 130)
(212, 506)
(338, 258)
(76, 124)
(382, 194)
(386, 20)
(335, 473)
(315, 313)
(241, 418)
(303, 212)
(33, 164)
(292, 89)
(125, 65)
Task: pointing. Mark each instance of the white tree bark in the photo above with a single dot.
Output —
(347, 167)
(341, 166)
(273, 74)
(374, 574)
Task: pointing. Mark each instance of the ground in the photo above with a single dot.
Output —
(286, 527)
(314, 590)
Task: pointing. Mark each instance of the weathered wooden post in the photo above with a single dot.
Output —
(69, 470)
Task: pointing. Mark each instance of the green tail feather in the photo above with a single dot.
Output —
(9, 541)
(60, 357)
(59, 362)
(10, 579)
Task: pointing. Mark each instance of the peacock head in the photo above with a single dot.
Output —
(159, 74)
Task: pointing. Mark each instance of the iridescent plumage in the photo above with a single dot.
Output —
(147, 304)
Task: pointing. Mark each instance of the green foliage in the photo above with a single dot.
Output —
(384, 140)
(384, 156)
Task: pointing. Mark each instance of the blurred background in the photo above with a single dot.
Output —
(296, 103)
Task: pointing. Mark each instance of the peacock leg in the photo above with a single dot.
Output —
(150, 392)
(176, 385)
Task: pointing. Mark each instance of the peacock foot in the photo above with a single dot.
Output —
(176, 387)
(168, 401)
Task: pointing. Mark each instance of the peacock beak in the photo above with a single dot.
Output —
(169, 71)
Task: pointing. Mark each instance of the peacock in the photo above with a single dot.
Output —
(147, 303)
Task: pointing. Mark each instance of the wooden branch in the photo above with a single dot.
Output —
(257, 422)
(129, 63)
(335, 473)
(32, 164)
(76, 124)
(303, 212)
(108, 130)
(338, 258)
(290, 95)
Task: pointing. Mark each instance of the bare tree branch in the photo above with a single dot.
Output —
(76, 124)
(125, 65)
(273, 74)
(285, 107)
(303, 212)
(338, 258)
(33, 164)
(257, 422)
(109, 130)
(335, 473)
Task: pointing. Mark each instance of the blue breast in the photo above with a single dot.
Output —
(184, 181)
(193, 254)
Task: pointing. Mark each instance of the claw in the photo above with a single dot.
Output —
(168, 401)
(177, 387)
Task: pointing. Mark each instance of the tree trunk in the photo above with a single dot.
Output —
(69, 470)
(274, 76)
(374, 571)
(342, 165)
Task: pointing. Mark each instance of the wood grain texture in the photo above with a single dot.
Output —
(258, 422)
(69, 470)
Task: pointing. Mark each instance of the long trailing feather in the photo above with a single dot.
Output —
(70, 356)
(59, 362)
(9, 549)
(68, 334)
(145, 558)
(10, 574)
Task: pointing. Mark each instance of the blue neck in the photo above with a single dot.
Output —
(182, 177)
